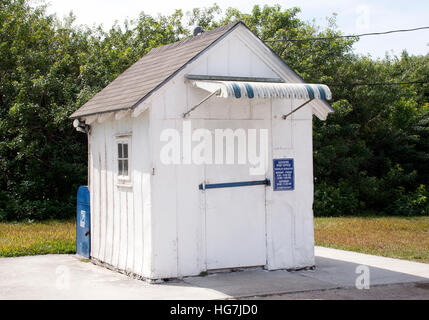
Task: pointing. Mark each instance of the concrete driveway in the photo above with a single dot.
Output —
(67, 277)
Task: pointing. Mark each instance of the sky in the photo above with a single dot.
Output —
(354, 17)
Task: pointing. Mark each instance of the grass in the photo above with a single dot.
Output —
(401, 238)
(38, 238)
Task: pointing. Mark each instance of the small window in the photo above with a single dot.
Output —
(123, 160)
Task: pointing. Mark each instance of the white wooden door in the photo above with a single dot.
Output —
(235, 219)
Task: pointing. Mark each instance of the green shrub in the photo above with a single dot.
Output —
(335, 201)
(410, 204)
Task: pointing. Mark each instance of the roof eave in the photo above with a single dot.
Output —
(132, 107)
(321, 109)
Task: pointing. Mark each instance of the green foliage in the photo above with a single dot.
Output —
(370, 156)
(48, 69)
(40, 156)
(378, 138)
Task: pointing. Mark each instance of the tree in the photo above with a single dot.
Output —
(370, 156)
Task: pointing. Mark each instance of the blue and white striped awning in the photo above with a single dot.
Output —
(265, 90)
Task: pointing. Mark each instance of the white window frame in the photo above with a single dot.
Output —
(123, 180)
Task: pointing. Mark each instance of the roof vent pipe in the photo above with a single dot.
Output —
(198, 31)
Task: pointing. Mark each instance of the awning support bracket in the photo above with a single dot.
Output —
(201, 102)
(295, 110)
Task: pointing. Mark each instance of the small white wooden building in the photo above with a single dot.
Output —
(161, 220)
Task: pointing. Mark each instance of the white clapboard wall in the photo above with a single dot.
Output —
(156, 227)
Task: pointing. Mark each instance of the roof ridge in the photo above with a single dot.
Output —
(193, 38)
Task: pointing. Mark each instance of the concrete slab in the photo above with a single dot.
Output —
(260, 282)
(67, 277)
(338, 266)
(395, 265)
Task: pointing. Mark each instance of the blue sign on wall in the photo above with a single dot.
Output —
(284, 174)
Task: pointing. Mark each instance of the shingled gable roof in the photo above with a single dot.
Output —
(149, 73)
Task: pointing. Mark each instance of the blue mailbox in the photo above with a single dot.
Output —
(83, 237)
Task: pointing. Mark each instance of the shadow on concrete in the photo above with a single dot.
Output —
(329, 274)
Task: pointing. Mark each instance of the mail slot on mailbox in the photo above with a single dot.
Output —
(83, 238)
